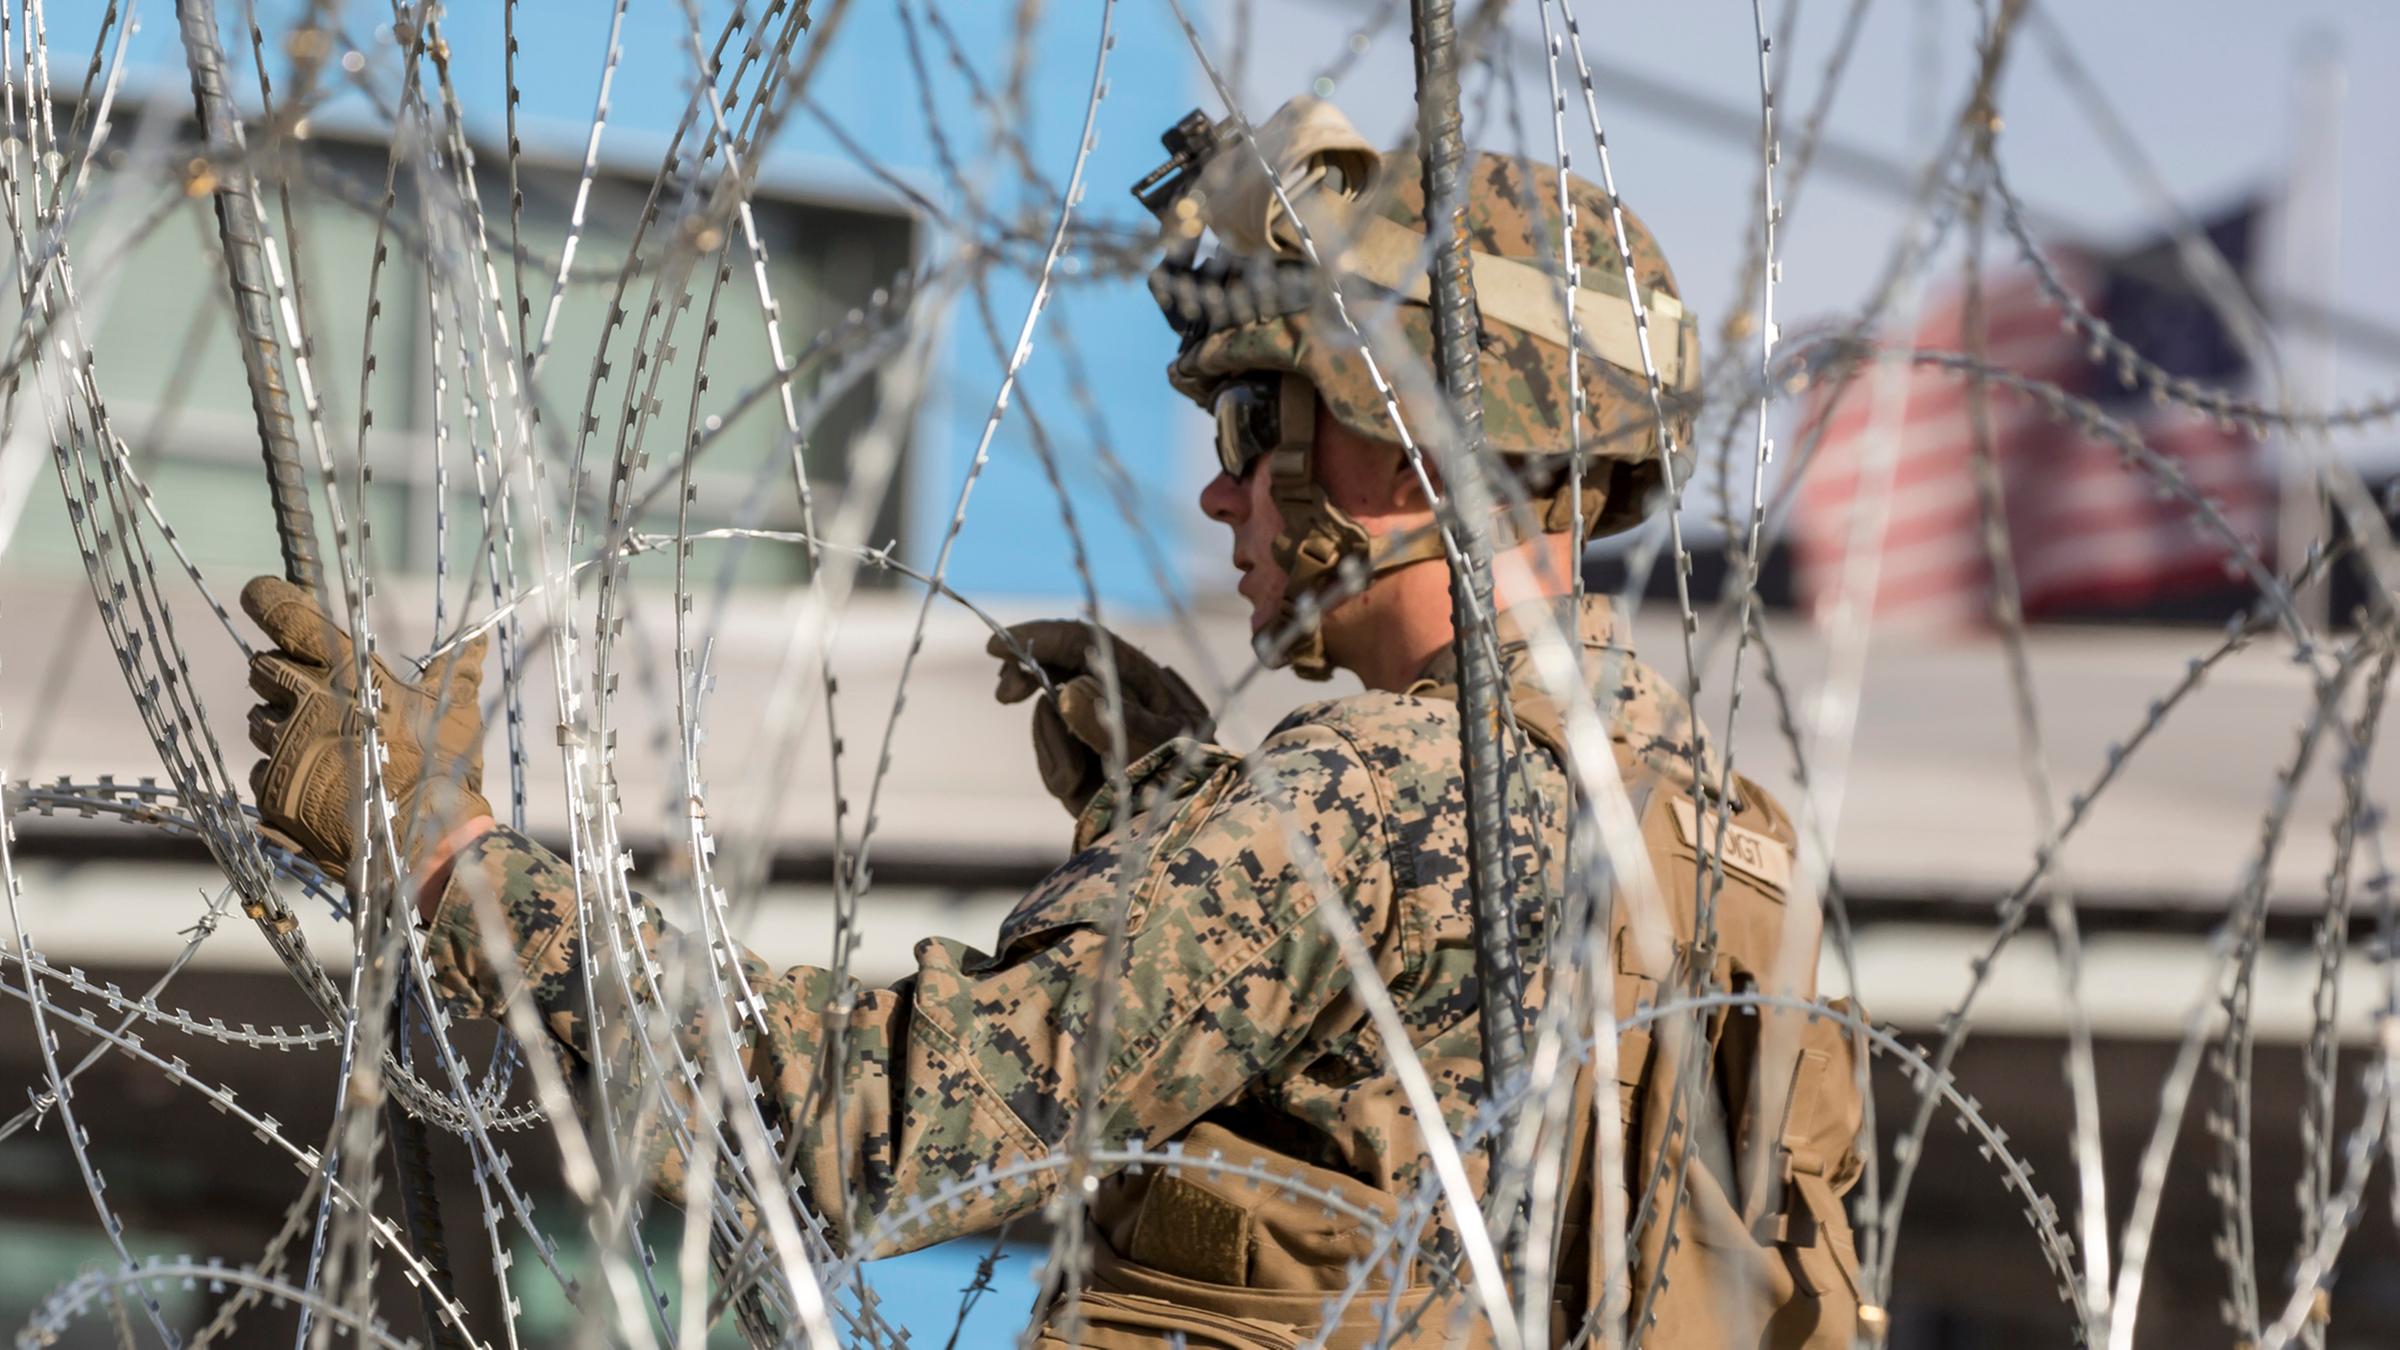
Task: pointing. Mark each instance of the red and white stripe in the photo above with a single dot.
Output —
(2084, 526)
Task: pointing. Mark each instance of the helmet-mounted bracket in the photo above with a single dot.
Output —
(1247, 185)
(1190, 143)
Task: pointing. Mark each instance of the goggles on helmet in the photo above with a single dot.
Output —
(1260, 413)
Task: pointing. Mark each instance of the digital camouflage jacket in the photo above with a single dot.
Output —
(1235, 1019)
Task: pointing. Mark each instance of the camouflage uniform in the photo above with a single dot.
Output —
(1237, 1030)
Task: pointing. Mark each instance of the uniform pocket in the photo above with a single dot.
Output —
(1085, 891)
(1819, 1145)
(1820, 1131)
(1080, 894)
(1825, 1266)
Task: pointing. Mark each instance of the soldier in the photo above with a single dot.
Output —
(1196, 904)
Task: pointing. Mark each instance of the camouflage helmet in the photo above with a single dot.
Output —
(1239, 316)
(1262, 304)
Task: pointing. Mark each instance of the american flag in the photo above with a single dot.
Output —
(2087, 532)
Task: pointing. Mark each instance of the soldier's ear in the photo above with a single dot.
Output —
(1366, 477)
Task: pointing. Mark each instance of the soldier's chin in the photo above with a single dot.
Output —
(1264, 611)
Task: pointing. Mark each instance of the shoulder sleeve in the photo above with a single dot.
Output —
(532, 894)
(1171, 772)
(1194, 924)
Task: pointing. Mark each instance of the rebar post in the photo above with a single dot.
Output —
(253, 303)
(1499, 978)
(225, 174)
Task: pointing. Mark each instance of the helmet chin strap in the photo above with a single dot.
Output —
(1319, 540)
(1384, 553)
(1318, 537)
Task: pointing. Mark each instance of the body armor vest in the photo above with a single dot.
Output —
(1738, 1128)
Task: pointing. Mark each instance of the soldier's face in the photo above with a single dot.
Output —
(1367, 479)
(1246, 506)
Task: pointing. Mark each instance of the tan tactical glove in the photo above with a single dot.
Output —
(308, 725)
(1070, 728)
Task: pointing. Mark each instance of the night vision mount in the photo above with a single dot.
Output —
(1189, 144)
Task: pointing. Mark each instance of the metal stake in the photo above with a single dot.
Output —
(1500, 981)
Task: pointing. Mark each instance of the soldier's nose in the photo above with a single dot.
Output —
(1221, 498)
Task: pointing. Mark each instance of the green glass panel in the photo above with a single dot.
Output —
(156, 312)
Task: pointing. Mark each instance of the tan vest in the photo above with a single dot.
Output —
(1763, 1253)
(1763, 1258)
(1230, 1263)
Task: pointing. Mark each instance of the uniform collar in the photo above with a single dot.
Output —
(1646, 713)
(1595, 625)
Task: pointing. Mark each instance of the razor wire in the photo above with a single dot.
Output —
(566, 491)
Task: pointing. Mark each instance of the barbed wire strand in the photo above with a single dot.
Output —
(483, 375)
